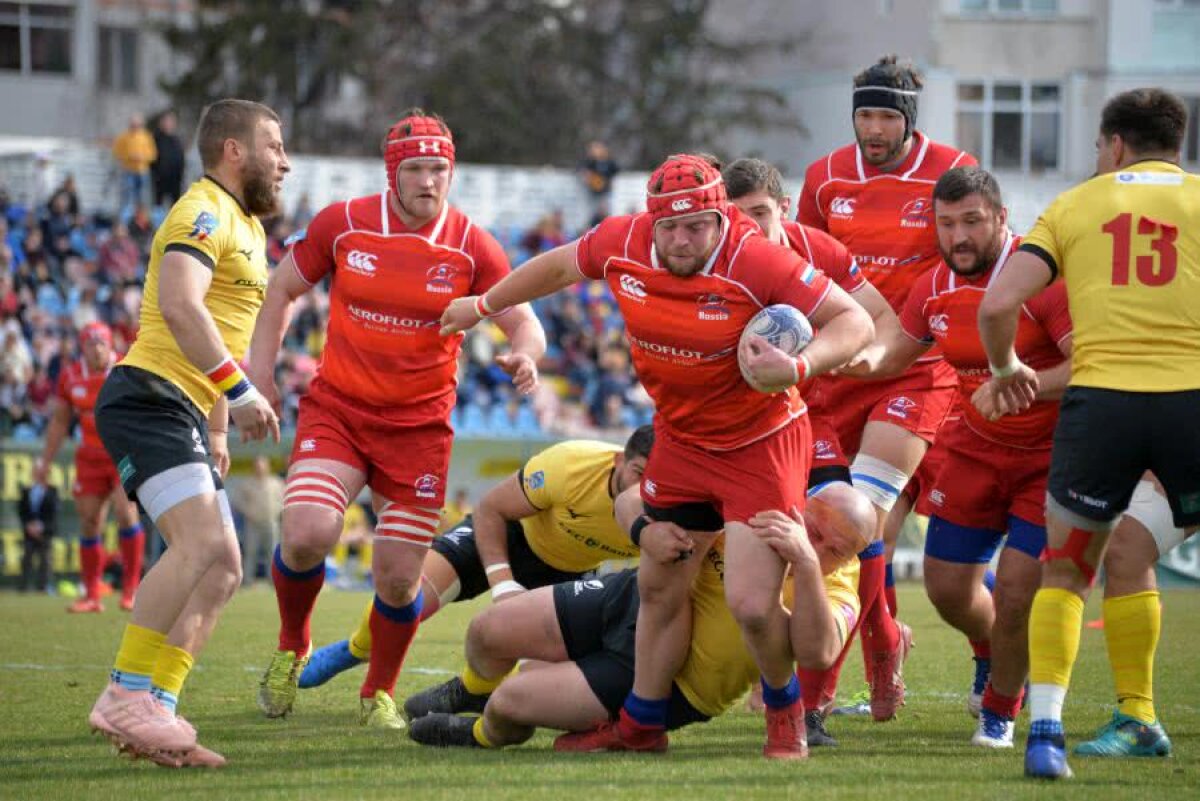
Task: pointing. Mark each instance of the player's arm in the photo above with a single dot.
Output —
(527, 340)
(56, 432)
(542, 275)
(283, 288)
(662, 541)
(1025, 275)
(843, 329)
(183, 281)
(892, 351)
(503, 503)
(1052, 383)
(218, 435)
(808, 211)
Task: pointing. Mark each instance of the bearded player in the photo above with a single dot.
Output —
(378, 411)
(688, 276)
(874, 196)
(97, 484)
(992, 484)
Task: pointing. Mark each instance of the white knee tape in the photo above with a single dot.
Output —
(168, 489)
(880, 481)
(1154, 512)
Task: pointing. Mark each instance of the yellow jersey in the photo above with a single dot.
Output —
(1128, 246)
(574, 529)
(719, 669)
(209, 224)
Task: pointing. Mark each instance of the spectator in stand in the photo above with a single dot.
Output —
(37, 510)
(57, 227)
(166, 170)
(70, 194)
(598, 171)
(455, 510)
(120, 258)
(142, 229)
(134, 152)
(547, 234)
(259, 499)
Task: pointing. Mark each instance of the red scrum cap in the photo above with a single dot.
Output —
(417, 136)
(685, 184)
(95, 331)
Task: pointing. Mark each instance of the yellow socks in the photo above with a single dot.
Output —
(1054, 624)
(137, 657)
(478, 685)
(360, 640)
(1131, 628)
(480, 736)
(170, 671)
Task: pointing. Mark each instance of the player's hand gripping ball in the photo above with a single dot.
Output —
(782, 327)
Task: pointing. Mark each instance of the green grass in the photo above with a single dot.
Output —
(52, 665)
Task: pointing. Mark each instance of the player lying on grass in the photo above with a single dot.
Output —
(550, 521)
(580, 636)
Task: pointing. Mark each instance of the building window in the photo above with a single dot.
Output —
(1011, 125)
(36, 37)
(118, 54)
(1039, 7)
(1191, 141)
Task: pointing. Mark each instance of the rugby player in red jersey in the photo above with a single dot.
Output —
(688, 275)
(874, 196)
(378, 412)
(993, 481)
(97, 484)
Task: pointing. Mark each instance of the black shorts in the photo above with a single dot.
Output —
(1107, 438)
(458, 548)
(148, 426)
(597, 618)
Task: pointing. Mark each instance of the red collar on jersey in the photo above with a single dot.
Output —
(425, 138)
(684, 185)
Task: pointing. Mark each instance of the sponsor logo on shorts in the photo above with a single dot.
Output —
(1087, 500)
(361, 262)
(588, 584)
(649, 487)
(916, 213)
(125, 469)
(197, 444)
(308, 445)
(536, 480)
(939, 324)
(710, 306)
(203, 226)
(633, 288)
(937, 497)
(426, 486)
(77, 488)
(842, 207)
(440, 278)
(901, 406)
(823, 449)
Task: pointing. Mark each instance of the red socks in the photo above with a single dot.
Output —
(392, 631)
(296, 594)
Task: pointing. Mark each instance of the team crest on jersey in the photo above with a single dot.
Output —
(823, 449)
(426, 486)
(916, 213)
(536, 480)
(711, 306)
(203, 226)
(939, 324)
(842, 207)
(649, 487)
(901, 406)
(440, 278)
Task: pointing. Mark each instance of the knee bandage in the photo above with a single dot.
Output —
(411, 524)
(1153, 511)
(316, 486)
(880, 481)
(168, 489)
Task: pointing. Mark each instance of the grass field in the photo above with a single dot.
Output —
(52, 666)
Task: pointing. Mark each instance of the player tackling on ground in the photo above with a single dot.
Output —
(1127, 243)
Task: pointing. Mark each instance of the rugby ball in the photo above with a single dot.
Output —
(784, 327)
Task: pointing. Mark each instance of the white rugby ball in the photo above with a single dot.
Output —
(783, 326)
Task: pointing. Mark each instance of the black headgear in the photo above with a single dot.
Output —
(879, 95)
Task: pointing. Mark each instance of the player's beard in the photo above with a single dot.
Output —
(982, 261)
(894, 149)
(693, 266)
(258, 190)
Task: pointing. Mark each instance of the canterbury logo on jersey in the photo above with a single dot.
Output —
(362, 262)
(939, 324)
(842, 206)
(633, 287)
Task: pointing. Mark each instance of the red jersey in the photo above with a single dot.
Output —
(826, 254)
(390, 287)
(884, 218)
(943, 309)
(683, 332)
(78, 387)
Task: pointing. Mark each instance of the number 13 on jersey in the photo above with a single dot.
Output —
(1156, 270)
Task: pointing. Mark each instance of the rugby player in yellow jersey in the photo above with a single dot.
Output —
(163, 414)
(551, 521)
(580, 636)
(1127, 243)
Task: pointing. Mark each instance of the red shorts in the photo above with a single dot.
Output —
(982, 482)
(826, 448)
(918, 487)
(95, 475)
(405, 461)
(770, 473)
(917, 401)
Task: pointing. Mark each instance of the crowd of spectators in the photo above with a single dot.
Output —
(63, 266)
